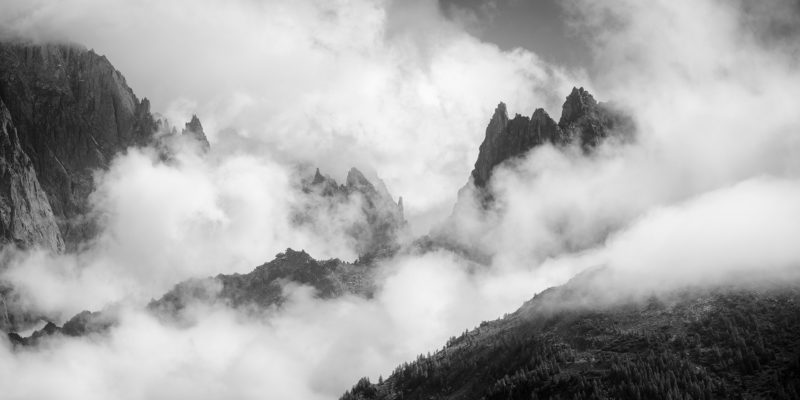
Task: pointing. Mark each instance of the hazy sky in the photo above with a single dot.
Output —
(541, 26)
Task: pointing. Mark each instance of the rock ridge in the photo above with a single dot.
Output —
(583, 121)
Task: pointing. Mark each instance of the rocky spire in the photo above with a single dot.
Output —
(194, 129)
(583, 121)
(318, 178)
(579, 103)
(510, 138)
(377, 229)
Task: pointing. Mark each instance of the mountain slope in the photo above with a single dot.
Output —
(25, 215)
(698, 343)
(264, 286)
(73, 113)
(256, 291)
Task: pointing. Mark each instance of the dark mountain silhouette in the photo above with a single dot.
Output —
(583, 122)
(263, 287)
(568, 343)
(25, 214)
(65, 113)
(73, 112)
(259, 290)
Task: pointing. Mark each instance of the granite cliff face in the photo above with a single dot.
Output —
(25, 214)
(720, 342)
(73, 113)
(583, 122)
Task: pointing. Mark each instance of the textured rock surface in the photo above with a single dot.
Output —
(583, 121)
(73, 113)
(25, 215)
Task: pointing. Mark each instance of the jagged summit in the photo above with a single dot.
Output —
(318, 178)
(376, 228)
(583, 121)
(194, 130)
(567, 343)
(264, 286)
(579, 102)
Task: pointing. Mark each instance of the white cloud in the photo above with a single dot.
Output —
(388, 85)
(710, 187)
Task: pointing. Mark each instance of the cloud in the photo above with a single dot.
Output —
(710, 188)
(165, 222)
(712, 107)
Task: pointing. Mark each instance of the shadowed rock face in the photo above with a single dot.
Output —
(584, 124)
(25, 215)
(264, 286)
(73, 113)
(194, 129)
(583, 121)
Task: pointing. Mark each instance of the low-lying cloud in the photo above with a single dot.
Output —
(709, 189)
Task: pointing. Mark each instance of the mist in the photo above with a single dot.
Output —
(709, 190)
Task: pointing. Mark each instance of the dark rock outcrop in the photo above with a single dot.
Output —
(264, 286)
(25, 215)
(194, 130)
(257, 291)
(73, 113)
(583, 121)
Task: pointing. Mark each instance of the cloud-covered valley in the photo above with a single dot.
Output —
(707, 192)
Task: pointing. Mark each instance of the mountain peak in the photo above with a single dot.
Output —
(579, 102)
(583, 121)
(500, 111)
(194, 129)
(90, 117)
(357, 180)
